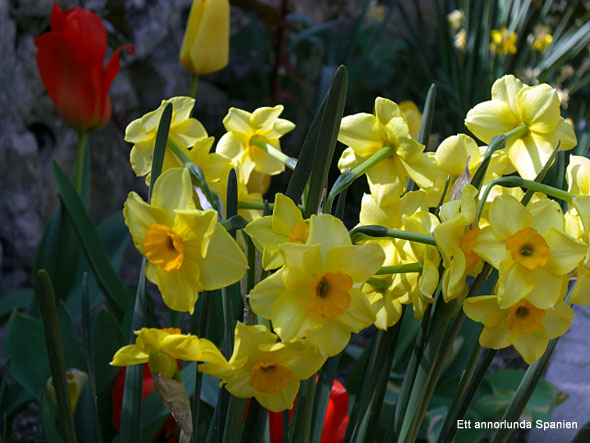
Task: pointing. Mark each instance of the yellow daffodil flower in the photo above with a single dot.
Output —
(541, 39)
(316, 294)
(537, 107)
(455, 19)
(503, 41)
(75, 381)
(452, 154)
(245, 131)
(185, 248)
(264, 369)
(365, 134)
(160, 348)
(381, 209)
(205, 46)
(285, 225)
(417, 288)
(579, 225)
(413, 117)
(523, 325)
(531, 250)
(578, 175)
(184, 131)
(455, 238)
(409, 213)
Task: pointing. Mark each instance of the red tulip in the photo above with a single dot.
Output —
(70, 61)
(335, 423)
(169, 431)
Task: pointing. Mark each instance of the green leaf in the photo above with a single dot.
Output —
(26, 345)
(18, 300)
(132, 394)
(114, 234)
(325, 144)
(583, 435)
(107, 338)
(53, 340)
(49, 418)
(115, 291)
(59, 239)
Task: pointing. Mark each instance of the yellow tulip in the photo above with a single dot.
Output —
(205, 47)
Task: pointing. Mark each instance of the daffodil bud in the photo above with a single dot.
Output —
(205, 47)
(161, 363)
(75, 380)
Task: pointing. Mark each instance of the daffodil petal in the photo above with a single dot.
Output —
(129, 355)
(264, 294)
(548, 289)
(514, 283)
(538, 107)
(489, 248)
(139, 216)
(490, 118)
(565, 252)
(368, 258)
(495, 337)
(558, 320)
(531, 347)
(223, 254)
(361, 132)
(507, 216)
(279, 401)
(484, 309)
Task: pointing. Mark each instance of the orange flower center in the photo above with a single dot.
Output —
(528, 248)
(163, 247)
(299, 232)
(467, 242)
(525, 317)
(269, 376)
(172, 330)
(331, 294)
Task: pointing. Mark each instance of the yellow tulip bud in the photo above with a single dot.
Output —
(75, 380)
(161, 363)
(205, 47)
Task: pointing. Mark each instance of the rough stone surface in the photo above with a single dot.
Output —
(569, 371)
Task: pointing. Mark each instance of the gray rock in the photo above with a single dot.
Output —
(569, 371)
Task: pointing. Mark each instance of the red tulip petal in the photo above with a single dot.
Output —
(57, 19)
(73, 81)
(114, 65)
(85, 28)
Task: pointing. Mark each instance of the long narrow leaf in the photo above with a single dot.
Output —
(326, 141)
(44, 291)
(132, 394)
(115, 291)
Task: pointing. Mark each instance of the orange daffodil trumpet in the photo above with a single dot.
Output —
(536, 108)
(285, 225)
(265, 369)
(185, 248)
(317, 294)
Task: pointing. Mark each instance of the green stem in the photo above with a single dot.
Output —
(378, 283)
(400, 269)
(289, 162)
(257, 206)
(511, 182)
(497, 143)
(80, 155)
(347, 178)
(193, 90)
(524, 392)
(467, 392)
(381, 231)
(178, 152)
